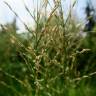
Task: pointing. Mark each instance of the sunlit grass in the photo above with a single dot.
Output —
(49, 58)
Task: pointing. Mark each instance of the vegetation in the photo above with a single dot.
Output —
(52, 60)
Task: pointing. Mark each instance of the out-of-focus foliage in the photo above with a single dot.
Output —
(88, 59)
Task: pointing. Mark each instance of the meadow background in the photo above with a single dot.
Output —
(55, 57)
